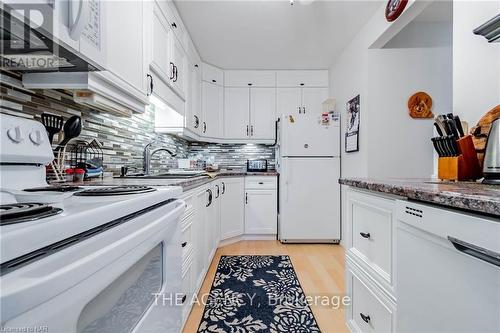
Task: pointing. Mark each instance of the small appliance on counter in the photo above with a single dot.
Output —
(491, 166)
(257, 165)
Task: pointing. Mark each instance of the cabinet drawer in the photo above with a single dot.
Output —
(370, 310)
(297, 78)
(260, 182)
(242, 78)
(212, 74)
(371, 226)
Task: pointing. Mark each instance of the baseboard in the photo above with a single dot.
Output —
(238, 238)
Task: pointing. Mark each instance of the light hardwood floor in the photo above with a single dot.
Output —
(320, 268)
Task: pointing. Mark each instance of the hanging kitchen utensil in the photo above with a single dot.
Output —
(53, 124)
(72, 129)
(420, 105)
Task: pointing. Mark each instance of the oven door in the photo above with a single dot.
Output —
(126, 279)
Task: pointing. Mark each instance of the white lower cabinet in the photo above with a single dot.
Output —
(232, 216)
(371, 310)
(260, 212)
(216, 211)
(261, 205)
(370, 261)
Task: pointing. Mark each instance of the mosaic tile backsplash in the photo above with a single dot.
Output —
(123, 138)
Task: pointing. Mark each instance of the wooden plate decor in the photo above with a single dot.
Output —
(394, 8)
(420, 105)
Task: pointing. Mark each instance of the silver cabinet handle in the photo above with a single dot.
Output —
(246, 198)
(247, 130)
(251, 130)
(196, 121)
(476, 251)
(300, 109)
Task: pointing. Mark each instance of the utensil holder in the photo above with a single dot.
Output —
(463, 167)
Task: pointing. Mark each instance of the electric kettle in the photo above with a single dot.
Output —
(491, 166)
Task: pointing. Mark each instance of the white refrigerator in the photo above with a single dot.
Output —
(308, 162)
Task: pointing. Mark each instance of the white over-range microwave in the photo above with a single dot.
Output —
(53, 35)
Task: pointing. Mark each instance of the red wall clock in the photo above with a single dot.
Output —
(394, 8)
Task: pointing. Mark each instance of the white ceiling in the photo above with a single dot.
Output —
(267, 34)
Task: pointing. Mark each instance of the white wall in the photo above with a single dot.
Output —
(399, 146)
(476, 63)
(391, 143)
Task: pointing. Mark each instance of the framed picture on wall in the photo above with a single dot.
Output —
(352, 132)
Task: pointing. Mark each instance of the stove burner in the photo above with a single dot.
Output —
(115, 190)
(24, 212)
(55, 188)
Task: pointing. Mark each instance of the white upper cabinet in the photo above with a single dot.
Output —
(168, 57)
(179, 63)
(249, 114)
(289, 101)
(300, 101)
(262, 113)
(302, 78)
(248, 78)
(312, 100)
(212, 74)
(193, 102)
(160, 57)
(125, 43)
(236, 113)
(212, 106)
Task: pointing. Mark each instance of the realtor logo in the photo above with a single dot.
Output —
(25, 41)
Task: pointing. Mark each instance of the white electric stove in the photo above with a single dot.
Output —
(67, 251)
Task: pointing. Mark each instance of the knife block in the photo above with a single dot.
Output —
(463, 167)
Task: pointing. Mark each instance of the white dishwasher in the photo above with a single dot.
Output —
(447, 270)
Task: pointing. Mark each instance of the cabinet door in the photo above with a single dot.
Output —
(236, 111)
(178, 58)
(209, 222)
(260, 212)
(288, 101)
(232, 207)
(262, 113)
(199, 236)
(125, 49)
(193, 100)
(312, 100)
(212, 99)
(160, 57)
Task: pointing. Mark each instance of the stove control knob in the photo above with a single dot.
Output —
(14, 134)
(36, 137)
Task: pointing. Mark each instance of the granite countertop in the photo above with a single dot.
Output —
(185, 183)
(471, 196)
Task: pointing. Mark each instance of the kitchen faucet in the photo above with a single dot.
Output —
(148, 154)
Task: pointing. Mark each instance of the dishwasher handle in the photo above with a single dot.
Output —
(476, 251)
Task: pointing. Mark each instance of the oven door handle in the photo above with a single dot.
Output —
(476, 251)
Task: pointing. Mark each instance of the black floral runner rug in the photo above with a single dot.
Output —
(253, 293)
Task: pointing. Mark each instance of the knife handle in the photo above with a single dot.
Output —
(436, 147)
(438, 129)
(458, 124)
